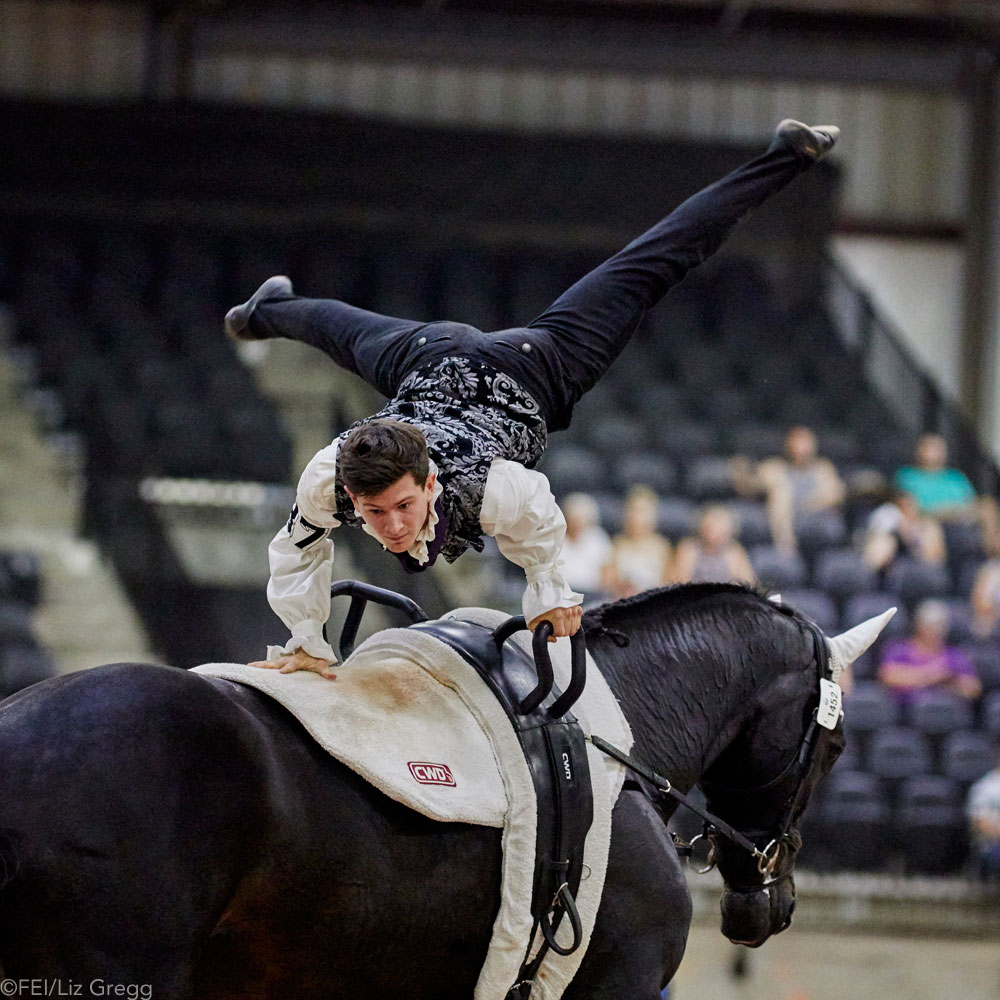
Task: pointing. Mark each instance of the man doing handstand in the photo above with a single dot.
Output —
(449, 458)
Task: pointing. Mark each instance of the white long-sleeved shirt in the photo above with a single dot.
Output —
(518, 509)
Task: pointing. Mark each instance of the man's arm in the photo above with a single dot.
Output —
(521, 513)
(301, 560)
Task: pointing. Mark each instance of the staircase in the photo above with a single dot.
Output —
(85, 618)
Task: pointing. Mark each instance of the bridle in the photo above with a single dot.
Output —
(780, 840)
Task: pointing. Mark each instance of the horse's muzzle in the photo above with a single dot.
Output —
(750, 918)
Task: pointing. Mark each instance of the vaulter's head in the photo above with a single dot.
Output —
(385, 470)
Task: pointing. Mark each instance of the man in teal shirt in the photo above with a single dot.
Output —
(938, 490)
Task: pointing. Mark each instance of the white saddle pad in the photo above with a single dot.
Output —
(408, 714)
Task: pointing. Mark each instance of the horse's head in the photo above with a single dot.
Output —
(762, 781)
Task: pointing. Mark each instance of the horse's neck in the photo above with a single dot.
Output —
(682, 714)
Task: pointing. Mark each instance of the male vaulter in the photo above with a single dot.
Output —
(449, 458)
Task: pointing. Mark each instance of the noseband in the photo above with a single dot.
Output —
(783, 834)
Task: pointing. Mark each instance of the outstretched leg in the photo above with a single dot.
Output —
(587, 327)
(379, 348)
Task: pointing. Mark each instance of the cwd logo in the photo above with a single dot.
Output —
(431, 774)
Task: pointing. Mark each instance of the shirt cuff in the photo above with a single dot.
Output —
(306, 635)
(546, 590)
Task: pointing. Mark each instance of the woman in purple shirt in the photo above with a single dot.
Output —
(925, 660)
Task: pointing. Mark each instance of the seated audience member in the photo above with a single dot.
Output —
(640, 556)
(714, 556)
(799, 482)
(983, 810)
(925, 660)
(945, 492)
(897, 528)
(587, 548)
(985, 597)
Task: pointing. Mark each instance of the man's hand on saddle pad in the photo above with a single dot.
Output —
(565, 621)
(299, 660)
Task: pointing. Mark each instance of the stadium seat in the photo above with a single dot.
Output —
(752, 524)
(819, 530)
(985, 654)
(915, 581)
(683, 440)
(898, 752)
(937, 712)
(709, 478)
(756, 441)
(931, 827)
(616, 434)
(841, 572)
(967, 756)
(645, 468)
(860, 607)
(572, 467)
(857, 821)
(21, 665)
(676, 517)
(814, 604)
(869, 708)
(15, 622)
(991, 714)
(777, 569)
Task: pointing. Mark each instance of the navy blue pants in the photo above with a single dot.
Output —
(561, 354)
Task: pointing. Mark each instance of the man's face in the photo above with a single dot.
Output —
(397, 514)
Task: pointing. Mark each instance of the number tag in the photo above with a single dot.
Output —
(831, 702)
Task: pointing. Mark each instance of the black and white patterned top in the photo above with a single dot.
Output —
(470, 414)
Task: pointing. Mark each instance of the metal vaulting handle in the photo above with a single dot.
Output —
(578, 678)
(360, 594)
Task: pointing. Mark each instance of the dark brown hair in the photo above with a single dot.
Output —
(377, 454)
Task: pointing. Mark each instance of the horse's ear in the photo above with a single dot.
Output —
(847, 647)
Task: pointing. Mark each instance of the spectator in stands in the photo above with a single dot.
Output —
(714, 555)
(797, 483)
(983, 810)
(926, 661)
(897, 528)
(587, 549)
(640, 557)
(944, 492)
(985, 597)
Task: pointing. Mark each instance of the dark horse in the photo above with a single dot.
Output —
(166, 830)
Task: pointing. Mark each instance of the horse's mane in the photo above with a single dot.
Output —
(668, 612)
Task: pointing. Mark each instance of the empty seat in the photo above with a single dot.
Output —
(15, 622)
(686, 440)
(898, 752)
(777, 569)
(819, 530)
(814, 604)
(676, 517)
(991, 714)
(869, 708)
(571, 467)
(937, 713)
(860, 607)
(614, 435)
(985, 654)
(709, 478)
(914, 581)
(646, 468)
(752, 524)
(756, 440)
(857, 821)
(21, 665)
(931, 827)
(21, 576)
(967, 756)
(841, 572)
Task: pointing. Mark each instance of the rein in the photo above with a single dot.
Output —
(800, 764)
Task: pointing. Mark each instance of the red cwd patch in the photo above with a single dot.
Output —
(431, 774)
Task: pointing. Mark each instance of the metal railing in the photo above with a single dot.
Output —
(901, 382)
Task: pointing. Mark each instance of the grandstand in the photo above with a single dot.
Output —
(128, 227)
